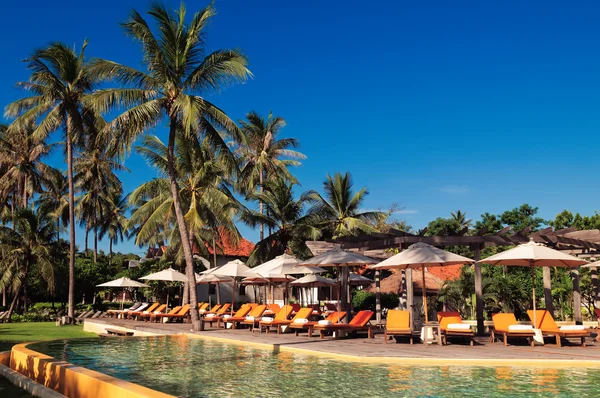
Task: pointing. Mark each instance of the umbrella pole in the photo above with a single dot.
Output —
(233, 295)
(424, 295)
(218, 293)
(123, 300)
(339, 293)
(533, 293)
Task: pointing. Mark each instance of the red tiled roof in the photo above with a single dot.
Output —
(449, 273)
(393, 283)
(243, 248)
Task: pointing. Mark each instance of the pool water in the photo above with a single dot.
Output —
(199, 368)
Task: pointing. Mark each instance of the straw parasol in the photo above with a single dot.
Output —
(167, 275)
(533, 255)
(216, 279)
(235, 269)
(359, 280)
(313, 280)
(421, 255)
(123, 283)
(340, 259)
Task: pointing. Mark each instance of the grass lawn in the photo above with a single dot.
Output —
(14, 333)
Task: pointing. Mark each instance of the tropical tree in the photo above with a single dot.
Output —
(54, 200)
(114, 222)
(461, 218)
(21, 158)
(26, 244)
(265, 155)
(286, 216)
(177, 72)
(60, 83)
(339, 211)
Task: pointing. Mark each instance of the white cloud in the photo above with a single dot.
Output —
(406, 211)
(455, 189)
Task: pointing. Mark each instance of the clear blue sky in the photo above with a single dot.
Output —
(479, 106)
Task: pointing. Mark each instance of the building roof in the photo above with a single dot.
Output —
(434, 280)
(228, 247)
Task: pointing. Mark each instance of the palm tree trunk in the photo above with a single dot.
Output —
(11, 309)
(87, 235)
(214, 246)
(261, 205)
(110, 251)
(95, 244)
(183, 231)
(71, 304)
(25, 201)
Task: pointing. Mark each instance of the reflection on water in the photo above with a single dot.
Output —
(197, 368)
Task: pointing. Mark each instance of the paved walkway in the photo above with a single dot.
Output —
(483, 351)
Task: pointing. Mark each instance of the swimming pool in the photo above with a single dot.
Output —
(199, 368)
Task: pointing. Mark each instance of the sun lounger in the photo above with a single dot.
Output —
(113, 313)
(156, 317)
(398, 324)
(330, 307)
(266, 322)
(301, 316)
(272, 309)
(506, 324)
(182, 314)
(213, 310)
(255, 313)
(139, 311)
(332, 318)
(242, 312)
(295, 308)
(451, 325)
(147, 314)
(203, 306)
(207, 316)
(545, 322)
(361, 321)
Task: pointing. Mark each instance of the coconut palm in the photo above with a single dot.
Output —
(265, 155)
(25, 245)
(205, 197)
(54, 200)
(21, 158)
(177, 73)
(339, 211)
(60, 82)
(286, 216)
(461, 218)
(114, 221)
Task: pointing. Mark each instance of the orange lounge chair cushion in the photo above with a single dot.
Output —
(304, 313)
(546, 323)
(398, 320)
(503, 321)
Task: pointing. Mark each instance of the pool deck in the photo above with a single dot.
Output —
(374, 350)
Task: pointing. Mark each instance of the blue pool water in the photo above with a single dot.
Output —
(198, 368)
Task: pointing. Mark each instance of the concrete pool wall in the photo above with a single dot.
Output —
(71, 380)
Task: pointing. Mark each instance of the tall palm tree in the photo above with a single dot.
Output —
(95, 178)
(286, 216)
(25, 245)
(21, 156)
(54, 200)
(339, 211)
(114, 222)
(461, 218)
(205, 196)
(177, 72)
(60, 82)
(265, 155)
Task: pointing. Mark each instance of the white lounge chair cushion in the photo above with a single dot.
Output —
(249, 318)
(266, 319)
(520, 327)
(226, 316)
(157, 312)
(145, 312)
(301, 320)
(459, 326)
(209, 315)
(202, 311)
(572, 327)
(325, 322)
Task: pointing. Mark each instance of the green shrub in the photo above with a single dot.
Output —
(31, 317)
(363, 300)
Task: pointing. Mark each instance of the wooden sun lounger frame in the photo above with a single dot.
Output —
(348, 327)
(309, 326)
(558, 334)
(467, 334)
(506, 333)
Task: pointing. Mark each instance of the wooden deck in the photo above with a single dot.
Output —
(482, 353)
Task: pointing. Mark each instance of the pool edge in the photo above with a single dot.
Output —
(72, 380)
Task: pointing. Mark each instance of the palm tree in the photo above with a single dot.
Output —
(25, 245)
(204, 191)
(265, 156)
(60, 83)
(177, 73)
(21, 155)
(114, 222)
(339, 211)
(95, 178)
(286, 216)
(461, 218)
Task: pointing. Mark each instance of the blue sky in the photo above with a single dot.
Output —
(437, 106)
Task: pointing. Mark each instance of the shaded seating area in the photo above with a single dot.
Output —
(332, 318)
(266, 322)
(300, 317)
(255, 313)
(545, 322)
(506, 325)
(241, 313)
